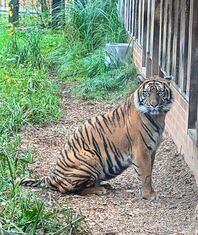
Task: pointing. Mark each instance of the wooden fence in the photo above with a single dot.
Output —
(167, 31)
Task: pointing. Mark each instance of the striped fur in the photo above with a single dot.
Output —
(106, 145)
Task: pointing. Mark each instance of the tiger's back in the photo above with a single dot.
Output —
(108, 144)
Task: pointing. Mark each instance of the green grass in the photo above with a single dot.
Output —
(81, 58)
(30, 56)
(29, 95)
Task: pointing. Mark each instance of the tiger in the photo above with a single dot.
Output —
(105, 145)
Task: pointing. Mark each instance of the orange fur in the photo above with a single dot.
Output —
(107, 144)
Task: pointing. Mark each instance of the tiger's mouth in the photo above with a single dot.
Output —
(157, 110)
(153, 110)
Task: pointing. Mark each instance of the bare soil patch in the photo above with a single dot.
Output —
(121, 211)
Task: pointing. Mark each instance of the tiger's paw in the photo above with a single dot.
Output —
(106, 186)
(151, 196)
(94, 190)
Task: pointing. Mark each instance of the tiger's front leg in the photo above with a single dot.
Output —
(143, 163)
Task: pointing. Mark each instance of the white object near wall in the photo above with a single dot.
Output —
(117, 53)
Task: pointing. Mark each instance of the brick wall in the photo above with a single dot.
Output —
(176, 121)
(177, 128)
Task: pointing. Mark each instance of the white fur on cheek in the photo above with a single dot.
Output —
(141, 108)
(167, 107)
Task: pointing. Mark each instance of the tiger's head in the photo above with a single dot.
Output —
(154, 96)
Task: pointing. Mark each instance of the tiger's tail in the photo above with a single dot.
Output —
(38, 183)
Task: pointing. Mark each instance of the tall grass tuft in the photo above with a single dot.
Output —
(93, 23)
(25, 46)
(89, 25)
(28, 95)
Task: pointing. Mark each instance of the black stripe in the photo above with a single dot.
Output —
(148, 147)
(135, 164)
(87, 134)
(80, 176)
(157, 129)
(65, 156)
(128, 134)
(117, 156)
(123, 115)
(137, 172)
(74, 145)
(87, 149)
(59, 164)
(54, 177)
(109, 160)
(118, 153)
(80, 131)
(86, 164)
(106, 123)
(63, 162)
(110, 120)
(49, 181)
(148, 132)
(60, 173)
(98, 122)
(81, 160)
(92, 152)
(114, 117)
(118, 117)
(89, 121)
(70, 145)
(77, 139)
(97, 149)
(99, 131)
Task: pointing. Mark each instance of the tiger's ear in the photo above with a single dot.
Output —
(168, 79)
(139, 78)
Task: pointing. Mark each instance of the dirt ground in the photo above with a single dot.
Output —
(122, 210)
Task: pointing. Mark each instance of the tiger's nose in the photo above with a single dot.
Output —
(154, 103)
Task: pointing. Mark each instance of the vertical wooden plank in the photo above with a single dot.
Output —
(184, 29)
(139, 21)
(129, 18)
(148, 56)
(148, 27)
(155, 57)
(164, 42)
(192, 87)
(144, 33)
(142, 20)
(152, 14)
(169, 38)
(161, 31)
(136, 18)
(132, 17)
(176, 35)
(182, 45)
(187, 15)
(127, 13)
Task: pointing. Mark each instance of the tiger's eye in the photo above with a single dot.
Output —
(145, 93)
